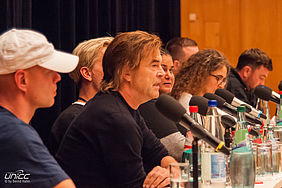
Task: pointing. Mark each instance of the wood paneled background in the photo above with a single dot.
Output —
(232, 26)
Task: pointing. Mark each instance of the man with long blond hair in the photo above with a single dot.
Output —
(87, 75)
(109, 144)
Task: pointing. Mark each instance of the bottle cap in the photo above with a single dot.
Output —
(241, 109)
(193, 109)
(212, 103)
(280, 92)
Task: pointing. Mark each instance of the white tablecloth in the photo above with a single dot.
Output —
(269, 181)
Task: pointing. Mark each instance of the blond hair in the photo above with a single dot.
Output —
(88, 52)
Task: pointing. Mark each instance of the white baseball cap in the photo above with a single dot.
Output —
(22, 49)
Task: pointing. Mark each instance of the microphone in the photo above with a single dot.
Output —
(265, 93)
(223, 105)
(174, 111)
(227, 121)
(202, 104)
(231, 99)
(280, 86)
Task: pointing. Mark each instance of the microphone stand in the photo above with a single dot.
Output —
(195, 162)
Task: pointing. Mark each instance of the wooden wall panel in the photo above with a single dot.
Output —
(212, 35)
(223, 12)
(232, 26)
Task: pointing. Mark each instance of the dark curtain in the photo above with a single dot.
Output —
(66, 23)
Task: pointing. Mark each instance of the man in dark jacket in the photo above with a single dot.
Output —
(252, 70)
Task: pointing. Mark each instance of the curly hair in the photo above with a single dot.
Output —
(194, 72)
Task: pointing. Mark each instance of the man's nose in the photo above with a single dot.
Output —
(161, 72)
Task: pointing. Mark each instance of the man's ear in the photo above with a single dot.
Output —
(246, 71)
(21, 80)
(86, 73)
(126, 73)
(176, 64)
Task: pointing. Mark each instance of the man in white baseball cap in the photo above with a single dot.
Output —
(28, 77)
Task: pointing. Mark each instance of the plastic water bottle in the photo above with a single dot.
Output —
(242, 162)
(188, 154)
(213, 168)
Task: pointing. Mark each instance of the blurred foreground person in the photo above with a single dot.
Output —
(109, 144)
(28, 77)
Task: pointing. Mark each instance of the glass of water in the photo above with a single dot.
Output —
(264, 160)
(179, 175)
(279, 157)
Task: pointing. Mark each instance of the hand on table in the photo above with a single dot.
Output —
(158, 177)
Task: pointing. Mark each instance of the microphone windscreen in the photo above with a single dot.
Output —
(220, 100)
(201, 102)
(227, 95)
(227, 121)
(280, 86)
(170, 108)
(263, 92)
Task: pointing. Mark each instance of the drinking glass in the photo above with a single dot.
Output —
(179, 175)
(279, 157)
(263, 159)
(277, 162)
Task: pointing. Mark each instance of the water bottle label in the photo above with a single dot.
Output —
(280, 114)
(240, 135)
(218, 169)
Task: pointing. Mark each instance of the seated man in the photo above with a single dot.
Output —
(252, 70)
(87, 76)
(28, 77)
(165, 129)
(109, 144)
(181, 48)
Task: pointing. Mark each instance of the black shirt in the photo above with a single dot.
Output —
(109, 145)
(165, 129)
(157, 122)
(61, 125)
(236, 86)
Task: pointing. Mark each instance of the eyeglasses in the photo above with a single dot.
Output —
(220, 79)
